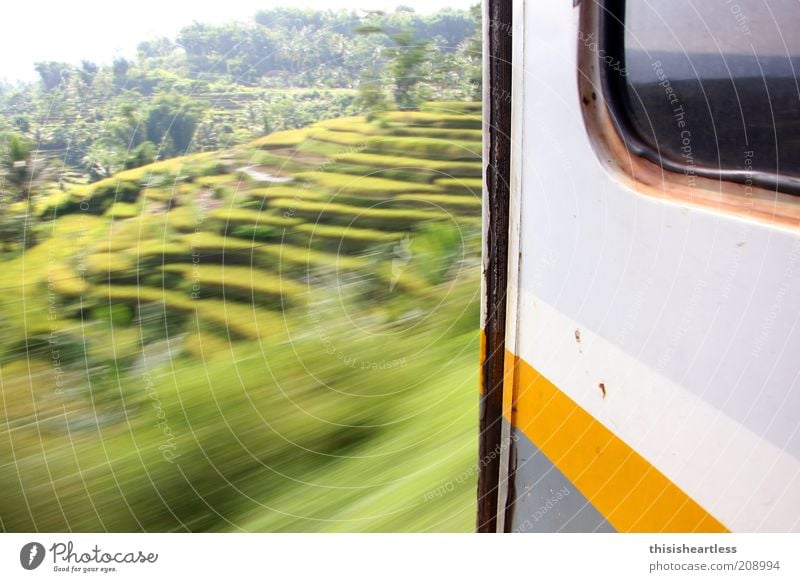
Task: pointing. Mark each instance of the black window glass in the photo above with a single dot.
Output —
(712, 84)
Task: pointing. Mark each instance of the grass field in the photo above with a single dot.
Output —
(277, 337)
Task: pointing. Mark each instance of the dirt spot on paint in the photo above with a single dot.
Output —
(578, 335)
(602, 389)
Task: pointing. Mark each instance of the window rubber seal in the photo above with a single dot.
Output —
(611, 37)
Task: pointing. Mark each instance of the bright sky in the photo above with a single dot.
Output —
(98, 30)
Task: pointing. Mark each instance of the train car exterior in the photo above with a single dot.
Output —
(641, 286)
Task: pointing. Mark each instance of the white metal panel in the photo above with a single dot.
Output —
(695, 302)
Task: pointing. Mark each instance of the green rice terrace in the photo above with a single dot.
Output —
(281, 336)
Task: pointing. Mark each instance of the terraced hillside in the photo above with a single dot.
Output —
(280, 336)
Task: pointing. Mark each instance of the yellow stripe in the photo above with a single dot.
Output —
(482, 360)
(627, 490)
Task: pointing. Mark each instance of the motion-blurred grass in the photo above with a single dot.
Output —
(223, 356)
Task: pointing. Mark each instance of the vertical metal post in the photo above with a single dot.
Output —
(497, 28)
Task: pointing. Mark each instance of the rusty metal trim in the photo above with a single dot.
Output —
(498, 26)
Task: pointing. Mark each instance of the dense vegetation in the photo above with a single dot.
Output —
(277, 336)
(215, 86)
(240, 280)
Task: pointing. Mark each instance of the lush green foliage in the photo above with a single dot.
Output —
(448, 202)
(239, 216)
(463, 186)
(344, 184)
(282, 139)
(214, 86)
(123, 210)
(302, 193)
(445, 167)
(434, 119)
(389, 219)
(425, 147)
(228, 348)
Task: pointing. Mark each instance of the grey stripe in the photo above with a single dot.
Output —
(545, 500)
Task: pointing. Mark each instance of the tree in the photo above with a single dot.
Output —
(407, 57)
(143, 154)
(156, 48)
(52, 73)
(22, 124)
(371, 95)
(22, 169)
(87, 72)
(101, 160)
(171, 122)
(475, 52)
(120, 68)
(16, 230)
(17, 161)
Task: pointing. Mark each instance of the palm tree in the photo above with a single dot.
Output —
(407, 57)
